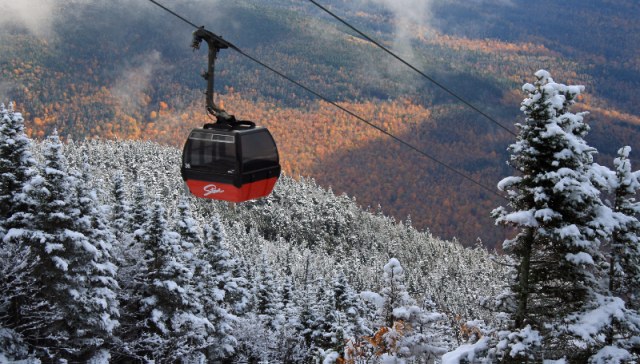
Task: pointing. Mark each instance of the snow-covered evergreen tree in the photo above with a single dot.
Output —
(121, 211)
(66, 316)
(218, 290)
(328, 330)
(561, 220)
(102, 291)
(165, 319)
(17, 165)
(140, 210)
(348, 303)
(406, 332)
(265, 295)
(187, 229)
(625, 245)
(393, 292)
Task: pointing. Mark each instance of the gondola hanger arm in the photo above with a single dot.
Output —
(215, 44)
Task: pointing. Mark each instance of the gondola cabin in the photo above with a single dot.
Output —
(235, 164)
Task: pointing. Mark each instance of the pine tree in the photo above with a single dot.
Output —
(121, 211)
(101, 300)
(393, 291)
(327, 329)
(17, 168)
(17, 165)
(66, 315)
(187, 228)
(218, 291)
(348, 304)
(624, 274)
(406, 333)
(266, 295)
(561, 221)
(290, 342)
(140, 211)
(166, 310)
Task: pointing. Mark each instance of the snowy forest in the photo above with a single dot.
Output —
(105, 258)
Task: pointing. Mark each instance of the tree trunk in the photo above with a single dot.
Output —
(523, 283)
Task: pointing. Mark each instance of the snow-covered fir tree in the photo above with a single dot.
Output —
(16, 163)
(70, 311)
(624, 273)
(140, 210)
(17, 167)
(218, 290)
(405, 333)
(562, 221)
(350, 307)
(102, 291)
(121, 224)
(266, 295)
(166, 320)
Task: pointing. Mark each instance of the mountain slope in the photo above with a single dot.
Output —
(123, 70)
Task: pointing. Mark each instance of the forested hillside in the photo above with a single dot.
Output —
(124, 70)
(104, 258)
(108, 258)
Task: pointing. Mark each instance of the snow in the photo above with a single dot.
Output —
(331, 357)
(466, 352)
(546, 214)
(52, 247)
(53, 171)
(571, 231)
(14, 233)
(508, 181)
(543, 75)
(372, 297)
(611, 355)
(589, 324)
(101, 357)
(62, 264)
(580, 258)
(521, 341)
(525, 218)
(393, 267)
(156, 317)
(559, 361)
(527, 87)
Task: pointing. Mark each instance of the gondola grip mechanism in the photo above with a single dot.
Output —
(215, 44)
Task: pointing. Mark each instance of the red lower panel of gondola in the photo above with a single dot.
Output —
(226, 192)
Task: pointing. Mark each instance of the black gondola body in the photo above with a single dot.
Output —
(234, 164)
(229, 160)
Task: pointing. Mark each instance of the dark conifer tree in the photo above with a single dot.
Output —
(218, 291)
(624, 273)
(140, 211)
(266, 295)
(17, 165)
(561, 220)
(166, 309)
(120, 211)
(65, 315)
(17, 168)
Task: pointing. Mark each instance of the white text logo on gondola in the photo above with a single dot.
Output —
(212, 190)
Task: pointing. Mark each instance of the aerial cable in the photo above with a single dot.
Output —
(443, 87)
(349, 112)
